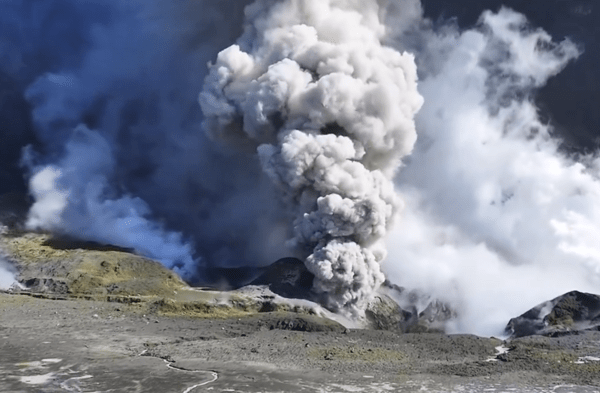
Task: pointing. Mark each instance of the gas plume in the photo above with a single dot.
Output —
(7, 275)
(329, 110)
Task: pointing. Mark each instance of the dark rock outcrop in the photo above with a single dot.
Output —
(288, 277)
(393, 308)
(567, 314)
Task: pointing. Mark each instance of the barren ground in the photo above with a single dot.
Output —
(95, 346)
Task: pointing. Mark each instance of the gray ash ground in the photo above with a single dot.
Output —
(97, 346)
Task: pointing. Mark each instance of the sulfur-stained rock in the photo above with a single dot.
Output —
(383, 313)
(61, 267)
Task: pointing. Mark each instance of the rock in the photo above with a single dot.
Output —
(392, 308)
(435, 316)
(61, 267)
(575, 307)
(305, 323)
(288, 277)
(418, 312)
(383, 313)
(47, 285)
(567, 314)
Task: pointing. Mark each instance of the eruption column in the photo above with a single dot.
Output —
(329, 110)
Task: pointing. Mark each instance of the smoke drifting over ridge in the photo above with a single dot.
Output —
(308, 117)
(123, 158)
(331, 111)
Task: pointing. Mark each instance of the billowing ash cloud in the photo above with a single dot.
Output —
(330, 110)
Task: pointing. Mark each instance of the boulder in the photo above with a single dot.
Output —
(383, 313)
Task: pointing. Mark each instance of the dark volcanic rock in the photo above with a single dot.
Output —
(47, 285)
(305, 323)
(575, 307)
(435, 315)
(391, 309)
(288, 277)
(395, 308)
(566, 314)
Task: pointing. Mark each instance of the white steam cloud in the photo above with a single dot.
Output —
(7, 275)
(331, 110)
(73, 198)
(498, 219)
(313, 109)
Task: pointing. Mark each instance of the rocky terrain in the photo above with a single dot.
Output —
(96, 318)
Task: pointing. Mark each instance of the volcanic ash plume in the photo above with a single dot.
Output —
(329, 110)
